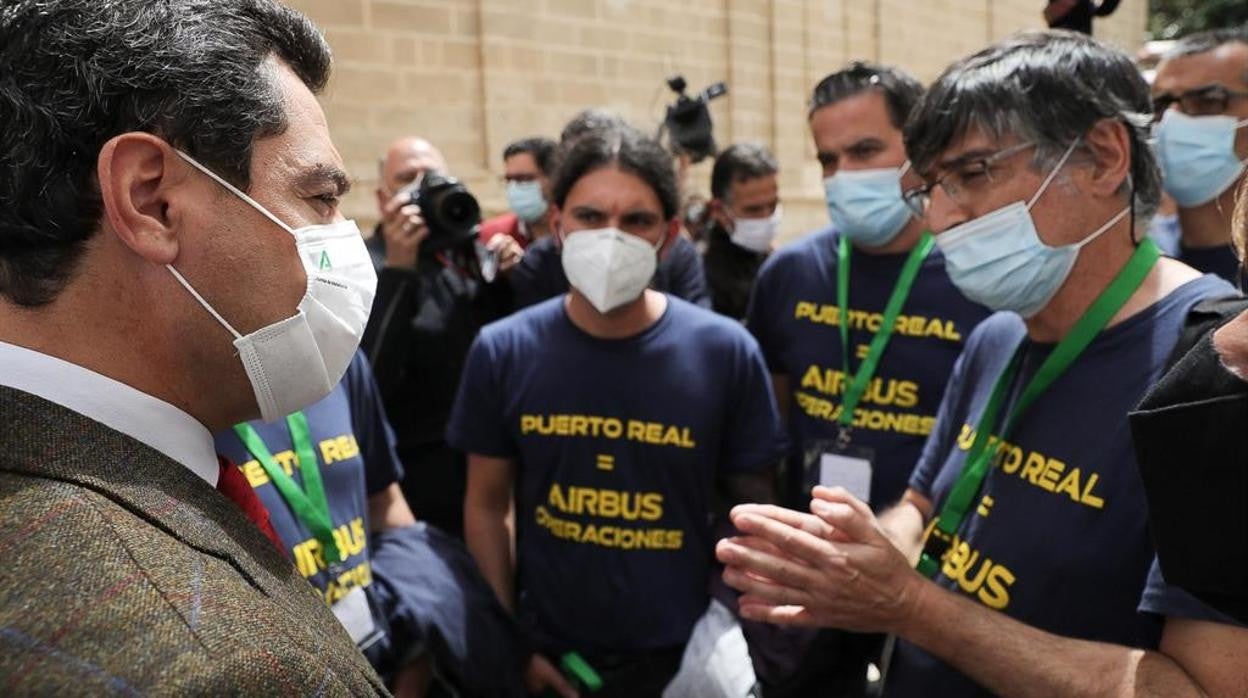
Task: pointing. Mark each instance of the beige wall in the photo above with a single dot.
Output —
(471, 75)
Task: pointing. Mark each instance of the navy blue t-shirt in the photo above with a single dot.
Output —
(355, 450)
(1163, 599)
(617, 446)
(539, 275)
(794, 316)
(1058, 538)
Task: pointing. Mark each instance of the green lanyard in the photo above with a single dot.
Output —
(866, 371)
(310, 507)
(980, 458)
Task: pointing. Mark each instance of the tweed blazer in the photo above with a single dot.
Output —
(122, 572)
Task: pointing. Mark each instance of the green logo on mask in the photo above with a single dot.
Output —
(325, 263)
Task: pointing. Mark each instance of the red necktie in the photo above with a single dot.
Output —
(235, 487)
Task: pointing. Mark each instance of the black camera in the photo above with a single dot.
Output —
(449, 209)
(688, 120)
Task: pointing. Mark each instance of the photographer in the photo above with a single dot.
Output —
(432, 296)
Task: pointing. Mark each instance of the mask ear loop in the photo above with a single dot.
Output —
(185, 284)
(1044, 186)
(234, 190)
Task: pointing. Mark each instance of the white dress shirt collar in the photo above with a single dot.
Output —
(114, 404)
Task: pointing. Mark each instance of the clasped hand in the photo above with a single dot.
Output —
(834, 567)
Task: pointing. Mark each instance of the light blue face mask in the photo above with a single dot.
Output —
(998, 260)
(525, 199)
(1197, 156)
(866, 205)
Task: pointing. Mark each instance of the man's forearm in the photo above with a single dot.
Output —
(388, 509)
(485, 532)
(1013, 659)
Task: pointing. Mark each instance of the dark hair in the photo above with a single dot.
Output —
(75, 73)
(625, 148)
(1045, 87)
(1206, 41)
(740, 162)
(591, 120)
(901, 91)
(542, 150)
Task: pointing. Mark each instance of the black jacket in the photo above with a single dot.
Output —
(1191, 442)
(730, 273)
(421, 327)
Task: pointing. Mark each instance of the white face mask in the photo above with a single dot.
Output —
(297, 361)
(756, 234)
(608, 266)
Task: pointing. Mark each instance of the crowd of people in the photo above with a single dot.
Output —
(982, 434)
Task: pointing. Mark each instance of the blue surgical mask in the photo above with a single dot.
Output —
(525, 199)
(999, 260)
(1197, 156)
(866, 205)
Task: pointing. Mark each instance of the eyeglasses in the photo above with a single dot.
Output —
(1209, 100)
(962, 179)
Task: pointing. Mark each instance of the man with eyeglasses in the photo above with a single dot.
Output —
(1200, 96)
(860, 327)
(1017, 559)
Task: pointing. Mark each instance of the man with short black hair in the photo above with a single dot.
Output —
(172, 261)
(1026, 513)
(1200, 95)
(539, 275)
(526, 170)
(860, 326)
(745, 214)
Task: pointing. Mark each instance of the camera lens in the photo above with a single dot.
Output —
(459, 209)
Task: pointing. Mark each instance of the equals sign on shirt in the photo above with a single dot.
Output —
(606, 462)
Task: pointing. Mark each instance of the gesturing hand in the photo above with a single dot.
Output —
(834, 567)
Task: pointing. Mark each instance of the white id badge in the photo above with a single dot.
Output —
(355, 615)
(848, 471)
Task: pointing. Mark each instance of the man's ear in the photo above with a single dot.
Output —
(1110, 144)
(555, 218)
(135, 172)
(673, 230)
(719, 213)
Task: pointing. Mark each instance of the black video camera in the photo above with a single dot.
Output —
(449, 209)
(688, 120)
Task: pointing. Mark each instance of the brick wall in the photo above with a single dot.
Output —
(471, 75)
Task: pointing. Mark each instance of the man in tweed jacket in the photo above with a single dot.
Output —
(125, 570)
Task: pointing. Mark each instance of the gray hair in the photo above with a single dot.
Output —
(1045, 87)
